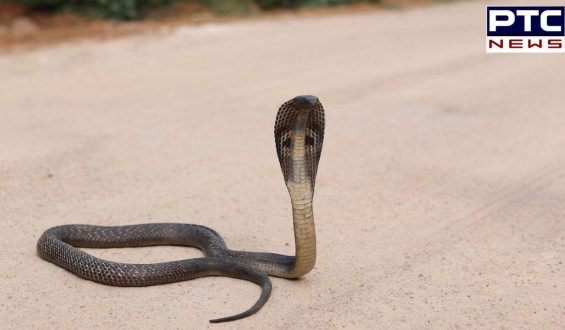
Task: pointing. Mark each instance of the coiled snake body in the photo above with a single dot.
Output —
(299, 134)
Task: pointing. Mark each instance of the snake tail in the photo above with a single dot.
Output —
(59, 246)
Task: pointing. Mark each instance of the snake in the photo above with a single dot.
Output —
(299, 134)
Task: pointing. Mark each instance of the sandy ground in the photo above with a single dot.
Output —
(440, 194)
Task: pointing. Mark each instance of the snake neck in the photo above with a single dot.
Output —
(300, 188)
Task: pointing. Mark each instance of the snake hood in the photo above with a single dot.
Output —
(299, 136)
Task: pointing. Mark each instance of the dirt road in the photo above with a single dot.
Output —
(440, 196)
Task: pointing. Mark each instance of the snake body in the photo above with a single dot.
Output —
(299, 134)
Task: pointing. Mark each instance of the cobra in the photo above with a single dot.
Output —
(299, 134)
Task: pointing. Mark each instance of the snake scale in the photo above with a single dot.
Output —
(299, 134)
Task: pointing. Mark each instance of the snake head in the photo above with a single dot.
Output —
(300, 126)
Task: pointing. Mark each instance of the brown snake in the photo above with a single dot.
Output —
(299, 134)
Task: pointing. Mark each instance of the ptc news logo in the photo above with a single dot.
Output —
(525, 29)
